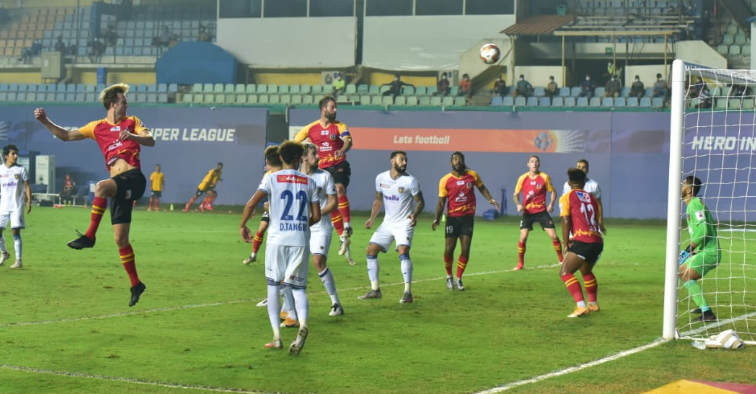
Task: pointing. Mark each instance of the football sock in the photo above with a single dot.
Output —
(573, 286)
(327, 278)
(17, 244)
(461, 265)
(406, 271)
(591, 287)
(127, 259)
(98, 209)
(373, 268)
(521, 252)
(344, 210)
(338, 222)
(257, 241)
(191, 201)
(2, 245)
(302, 305)
(274, 307)
(694, 289)
(212, 198)
(448, 265)
(157, 201)
(558, 248)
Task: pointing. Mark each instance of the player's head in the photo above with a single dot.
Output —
(219, 166)
(582, 164)
(458, 161)
(399, 161)
(658, 77)
(10, 154)
(310, 157)
(157, 167)
(271, 156)
(534, 163)
(691, 186)
(576, 178)
(328, 108)
(291, 153)
(114, 96)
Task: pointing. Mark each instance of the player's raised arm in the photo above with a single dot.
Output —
(59, 132)
(377, 204)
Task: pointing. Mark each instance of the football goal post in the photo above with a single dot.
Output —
(713, 138)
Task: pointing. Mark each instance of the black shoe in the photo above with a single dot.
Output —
(137, 291)
(82, 242)
(696, 311)
(348, 231)
(706, 316)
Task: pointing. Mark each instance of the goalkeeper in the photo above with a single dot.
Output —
(702, 255)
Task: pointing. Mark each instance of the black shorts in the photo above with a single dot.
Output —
(541, 217)
(457, 226)
(340, 172)
(208, 190)
(588, 252)
(130, 186)
(156, 194)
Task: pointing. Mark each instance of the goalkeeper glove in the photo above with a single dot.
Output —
(683, 256)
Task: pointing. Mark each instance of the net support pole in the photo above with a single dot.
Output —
(673, 198)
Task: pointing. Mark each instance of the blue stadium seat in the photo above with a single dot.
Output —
(599, 92)
(173, 88)
(519, 101)
(544, 102)
(421, 90)
(532, 102)
(575, 91)
(657, 102)
(152, 88)
(294, 89)
(569, 102)
(607, 102)
(582, 102)
(539, 91)
(619, 102)
(508, 101)
(496, 100)
(649, 92)
(632, 101)
(645, 102)
(557, 102)
(594, 102)
(625, 91)
(141, 88)
(564, 91)
(13, 87)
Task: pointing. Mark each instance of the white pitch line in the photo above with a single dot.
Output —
(569, 370)
(127, 380)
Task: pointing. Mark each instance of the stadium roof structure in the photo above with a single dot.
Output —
(540, 25)
(608, 26)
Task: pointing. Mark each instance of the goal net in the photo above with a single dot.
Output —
(713, 137)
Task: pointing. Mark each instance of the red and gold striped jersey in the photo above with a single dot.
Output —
(534, 191)
(583, 211)
(107, 134)
(460, 192)
(327, 139)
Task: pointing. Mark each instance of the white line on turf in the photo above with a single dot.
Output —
(127, 380)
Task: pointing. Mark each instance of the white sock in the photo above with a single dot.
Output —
(17, 244)
(347, 224)
(274, 305)
(327, 278)
(288, 302)
(373, 268)
(407, 273)
(581, 304)
(302, 305)
(2, 245)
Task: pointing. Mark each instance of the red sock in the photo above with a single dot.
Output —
(448, 265)
(558, 249)
(591, 287)
(344, 208)
(127, 259)
(212, 199)
(521, 252)
(191, 201)
(573, 286)
(99, 204)
(257, 241)
(338, 222)
(461, 265)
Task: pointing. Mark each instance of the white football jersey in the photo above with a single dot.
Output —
(12, 180)
(398, 195)
(325, 187)
(591, 186)
(289, 195)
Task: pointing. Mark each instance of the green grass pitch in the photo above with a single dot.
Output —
(65, 325)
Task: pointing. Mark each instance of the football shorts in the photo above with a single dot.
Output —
(287, 264)
(16, 218)
(401, 232)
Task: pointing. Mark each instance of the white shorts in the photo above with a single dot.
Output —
(287, 263)
(16, 218)
(320, 242)
(388, 232)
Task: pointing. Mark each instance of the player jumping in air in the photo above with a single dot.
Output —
(534, 184)
(333, 140)
(581, 215)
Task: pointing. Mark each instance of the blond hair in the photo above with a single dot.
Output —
(110, 94)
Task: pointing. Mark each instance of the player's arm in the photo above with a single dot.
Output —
(377, 204)
(484, 191)
(516, 195)
(699, 232)
(332, 203)
(301, 134)
(59, 132)
(600, 216)
(141, 135)
(249, 208)
(439, 211)
(27, 190)
(566, 226)
(418, 208)
(315, 209)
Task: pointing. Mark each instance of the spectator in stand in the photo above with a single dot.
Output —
(36, 47)
(613, 87)
(26, 55)
(442, 86)
(660, 87)
(97, 48)
(164, 39)
(338, 84)
(611, 70)
(72, 49)
(587, 87)
(739, 91)
(60, 46)
(637, 89)
(111, 37)
(552, 89)
(68, 192)
(395, 86)
(204, 36)
(465, 87)
(523, 88)
(702, 93)
(500, 87)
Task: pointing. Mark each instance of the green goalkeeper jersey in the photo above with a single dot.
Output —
(701, 227)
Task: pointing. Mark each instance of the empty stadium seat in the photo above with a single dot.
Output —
(532, 102)
(519, 101)
(421, 90)
(645, 102)
(582, 102)
(607, 102)
(400, 100)
(412, 101)
(564, 91)
(283, 89)
(387, 100)
(508, 101)
(657, 102)
(599, 92)
(575, 91)
(539, 91)
(435, 101)
(544, 102)
(632, 101)
(496, 100)
(558, 101)
(448, 101)
(424, 101)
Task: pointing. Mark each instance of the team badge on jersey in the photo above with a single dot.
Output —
(401, 190)
(332, 137)
(17, 176)
(469, 185)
